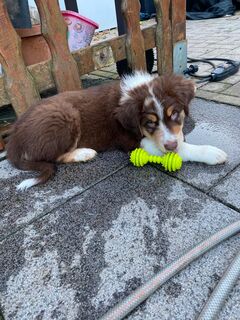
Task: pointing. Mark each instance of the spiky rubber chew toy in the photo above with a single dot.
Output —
(170, 161)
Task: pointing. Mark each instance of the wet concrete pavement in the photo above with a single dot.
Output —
(74, 247)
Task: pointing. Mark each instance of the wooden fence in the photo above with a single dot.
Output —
(21, 85)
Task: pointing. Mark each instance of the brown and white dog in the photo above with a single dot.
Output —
(141, 110)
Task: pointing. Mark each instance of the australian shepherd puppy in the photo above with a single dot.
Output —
(140, 110)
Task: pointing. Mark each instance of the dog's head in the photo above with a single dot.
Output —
(155, 107)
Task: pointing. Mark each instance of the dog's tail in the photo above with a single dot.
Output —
(16, 157)
(46, 170)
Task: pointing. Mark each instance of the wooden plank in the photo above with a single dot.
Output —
(4, 98)
(106, 51)
(135, 50)
(2, 144)
(5, 129)
(178, 20)
(54, 30)
(42, 74)
(85, 59)
(19, 85)
(4, 134)
(164, 36)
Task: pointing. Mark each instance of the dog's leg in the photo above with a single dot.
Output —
(189, 152)
(77, 155)
(206, 154)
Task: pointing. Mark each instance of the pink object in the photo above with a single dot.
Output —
(80, 30)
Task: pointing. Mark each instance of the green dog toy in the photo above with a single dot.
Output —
(170, 161)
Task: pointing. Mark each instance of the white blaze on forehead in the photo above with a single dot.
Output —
(133, 81)
(138, 79)
(158, 105)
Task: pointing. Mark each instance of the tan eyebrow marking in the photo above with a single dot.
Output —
(169, 111)
(152, 117)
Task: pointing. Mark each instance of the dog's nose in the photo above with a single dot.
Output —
(171, 145)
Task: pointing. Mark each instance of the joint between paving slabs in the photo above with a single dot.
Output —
(207, 192)
(222, 178)
(123, 166)
(44, 214)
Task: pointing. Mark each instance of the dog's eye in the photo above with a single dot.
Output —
(174, 116)
(150, 124)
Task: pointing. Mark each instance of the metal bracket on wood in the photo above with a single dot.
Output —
(180, 56)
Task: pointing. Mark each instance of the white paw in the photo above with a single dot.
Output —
(214, 155)
(83, 154)
(26, 184)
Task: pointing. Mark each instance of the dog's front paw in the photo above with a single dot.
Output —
(214, 155)
(83, 154)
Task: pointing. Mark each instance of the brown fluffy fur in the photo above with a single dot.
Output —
(91, 118)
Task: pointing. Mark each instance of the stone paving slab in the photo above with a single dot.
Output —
(233, 79)
(234, 90)
(229, 190)
(92, 251)
(217, 125)
(219, 38)
(216, 86)
(18, 208)
(218, 97)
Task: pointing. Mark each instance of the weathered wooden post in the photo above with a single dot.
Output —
(18, 81)
(135, 49)
(179, 35)
(54, 29)
(163, 36)
(2, 144)
(171, 35)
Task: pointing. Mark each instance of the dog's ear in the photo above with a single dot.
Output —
(134, 90)
(185, 91)
(128, 114)
(175, 87)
